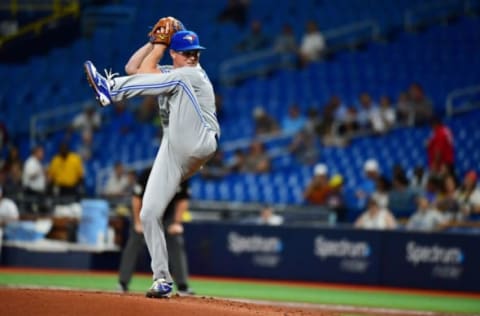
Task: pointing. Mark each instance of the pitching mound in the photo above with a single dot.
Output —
(41, 302)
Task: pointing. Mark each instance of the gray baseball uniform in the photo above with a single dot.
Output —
(189, 141)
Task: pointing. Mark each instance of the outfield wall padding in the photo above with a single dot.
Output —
(442, 261)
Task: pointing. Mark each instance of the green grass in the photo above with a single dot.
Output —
(260, 291)
(341, 297)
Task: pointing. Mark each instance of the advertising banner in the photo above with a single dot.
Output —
(352, 256)
(438, 261)
(283, 253)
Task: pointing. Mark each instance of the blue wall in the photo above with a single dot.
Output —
(390, 258)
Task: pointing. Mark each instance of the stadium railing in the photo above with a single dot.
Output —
(462, 100)
(53, 120)
(433, 12)
(106, 15)
(262, 62)
(58, 10)
(295, 215)
(348, 36)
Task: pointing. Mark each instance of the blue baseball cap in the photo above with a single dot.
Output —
(184, 41)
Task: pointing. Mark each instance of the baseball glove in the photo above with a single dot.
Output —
(163, 31)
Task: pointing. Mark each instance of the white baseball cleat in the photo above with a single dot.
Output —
(160, 289)
(99, 83)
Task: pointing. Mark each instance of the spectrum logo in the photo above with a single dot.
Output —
(343, 248)
(253, 244)
(418, 254)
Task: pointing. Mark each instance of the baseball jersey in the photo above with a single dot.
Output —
(163, 105)
(203, 91)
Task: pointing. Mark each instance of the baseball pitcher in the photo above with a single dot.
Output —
(191, 139)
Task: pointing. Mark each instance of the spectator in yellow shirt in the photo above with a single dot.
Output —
(66, 173)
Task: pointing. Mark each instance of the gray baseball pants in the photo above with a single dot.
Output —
(185, 147)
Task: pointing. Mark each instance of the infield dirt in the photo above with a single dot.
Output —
(42, 302)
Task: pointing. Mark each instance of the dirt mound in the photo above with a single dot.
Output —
(41, 302)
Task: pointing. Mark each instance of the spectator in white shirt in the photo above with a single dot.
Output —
(118, 182)
(376, 217)
(34, 178)
(313, 44)
(268, 217)
(34, 182)
(8, 209)
(383, 118)
(388, 112)
(427, 217)
(468, 194)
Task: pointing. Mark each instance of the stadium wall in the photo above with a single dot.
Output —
(441, 261)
